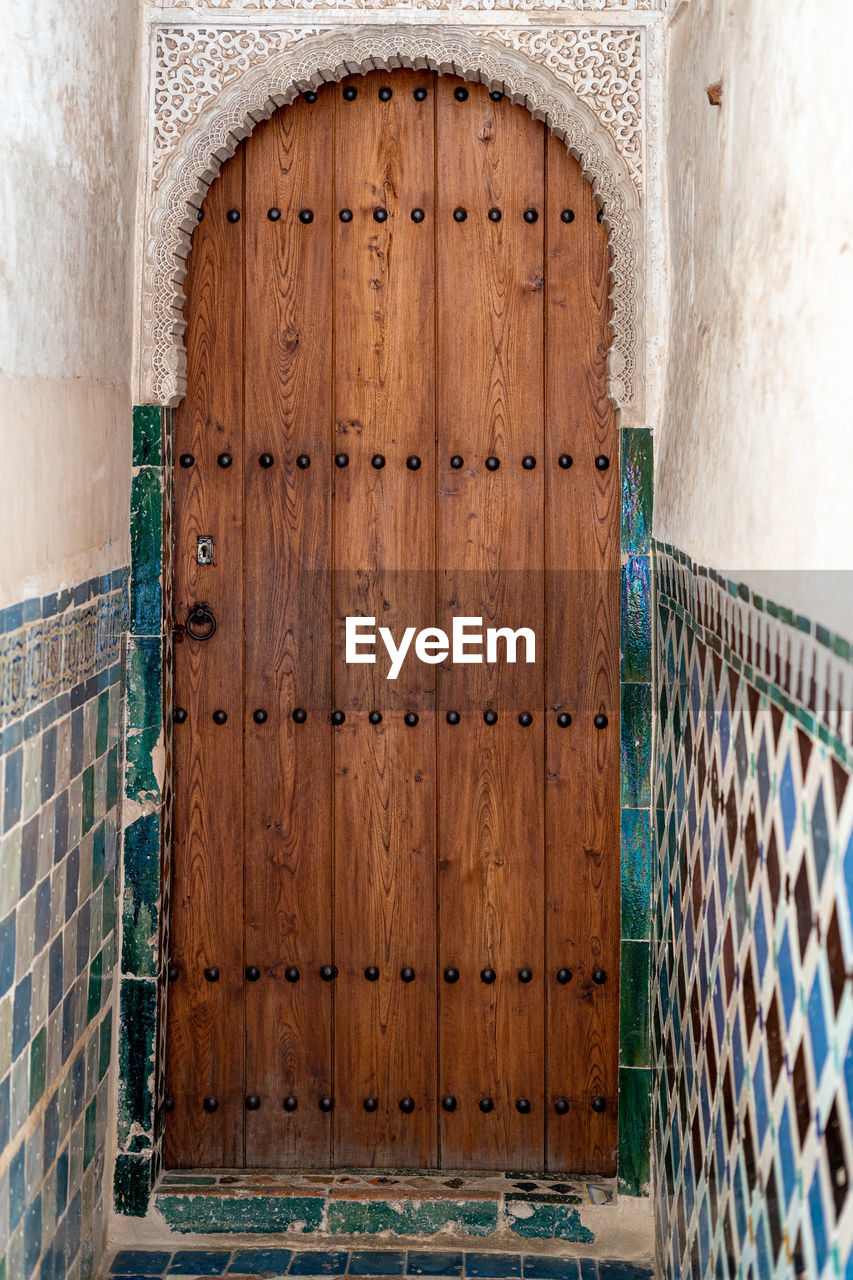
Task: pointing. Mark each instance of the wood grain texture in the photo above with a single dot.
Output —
(582, 802)
(288, 627)
(205, 1045)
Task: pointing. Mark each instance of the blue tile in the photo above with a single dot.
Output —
(72, 879)
(61, 1183)
(21, 1016)
(435, 1264)
(51, 1132)
(7, 953)
(54, 966)
(377, 1262)
(543, 1268)
(32, 1236)
(200, 1262)
(318, 1262)
(149, 1261)
(60, 827)
(5, 1110)
(493, 1264)
(622, 1271)
(29, 855)
(255, 1262)
(78, 1086)
(17, 1188)
(42, 920)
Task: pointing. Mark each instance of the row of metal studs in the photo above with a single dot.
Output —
(411, 718)
(407, 1105)
(413, 462)
(328, 972)
(380, 214)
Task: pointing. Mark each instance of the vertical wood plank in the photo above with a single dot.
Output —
(385, 1038)
(582, 804)
(205, 1043)
(490, 290)
(288, 358)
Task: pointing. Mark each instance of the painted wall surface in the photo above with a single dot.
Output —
(69, 104)
(756, 453)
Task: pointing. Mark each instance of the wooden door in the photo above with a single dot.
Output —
(396, 901)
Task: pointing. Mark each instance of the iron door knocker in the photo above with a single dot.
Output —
(201, 615)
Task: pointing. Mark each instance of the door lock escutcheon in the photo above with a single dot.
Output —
(204, 549)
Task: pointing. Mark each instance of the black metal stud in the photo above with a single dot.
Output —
(528, 462)
(460, 214)
(266, 460)
(492, 463)
(380, 215)
(306, 216)
(259, 716)
(179, 715)
(448, 1102)
(341, 459)
(522, 1106)
(378, 461)
(568, 215)
(406, 1105)
(565, 461)
(419, 95)
(599, 217)
(328, 972)
(602, 462)
(371, 973)
(337, 717)
(599, 1104)
(186, 460)
(413, 462)
(525, 719)
(219, 717)
(211, 973)
(303, 462)
(300, 715)
(561, 1106)
(488, 976)
(460, 94)
(345, 215)
(525, 975)
(418, 215)
(599, 977)
(407, 973)
(411, 718)
(291, 973)
(494, 215)
(200, 216)
(385, 94)
(600, 721)
(490, 717)
(375, 717)
(496, 95)
(486, 1105)
(564, 719)
(168, 1103)
(326, 1104)
(233, 215)
(456, 462)
(273, 214)
(174, 973)
(252, 973)
(451, 975)
(530, 215)
(210, 1104)
(225, 460)
(370, 1104)
(311, 96)
(252, 1102)
(453, 717)
(350, 93)
(290, 1103)
(564, 975)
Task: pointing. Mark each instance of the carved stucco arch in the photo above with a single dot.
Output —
(532, 66)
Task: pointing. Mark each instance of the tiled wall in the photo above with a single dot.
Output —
(60, 763)
(753, 999)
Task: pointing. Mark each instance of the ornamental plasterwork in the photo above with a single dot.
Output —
(212, 85)
(577, 6)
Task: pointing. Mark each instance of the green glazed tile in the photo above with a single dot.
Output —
(841, 648)
(637, 489)
(547, 1222)
(144, 682)
(98, 855)
(112, 777)
(88, 811)
(138, 1001)
(253, 1214)
(635, 1126)
(38, 1066)
(146, 550)
(413, 1217)
(636, 873)
(89, 1132)
(132, 1185)
(103, 731)
(634, 1046)
(141, 783)
(105, 1047)
(636, 620)
(147, 435)
(141, 893)
(636, 745)
(96, 983)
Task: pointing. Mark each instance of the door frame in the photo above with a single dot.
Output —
(177, 176)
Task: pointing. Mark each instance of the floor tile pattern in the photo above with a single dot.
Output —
(753, 1005)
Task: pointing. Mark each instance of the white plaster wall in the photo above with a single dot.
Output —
(755, 454)
(69, 106)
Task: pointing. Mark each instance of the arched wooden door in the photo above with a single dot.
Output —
(395, 933)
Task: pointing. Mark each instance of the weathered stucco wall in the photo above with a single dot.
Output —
(756, 452)
(69, 103)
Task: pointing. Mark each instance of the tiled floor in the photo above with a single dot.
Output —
(308, 1264)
